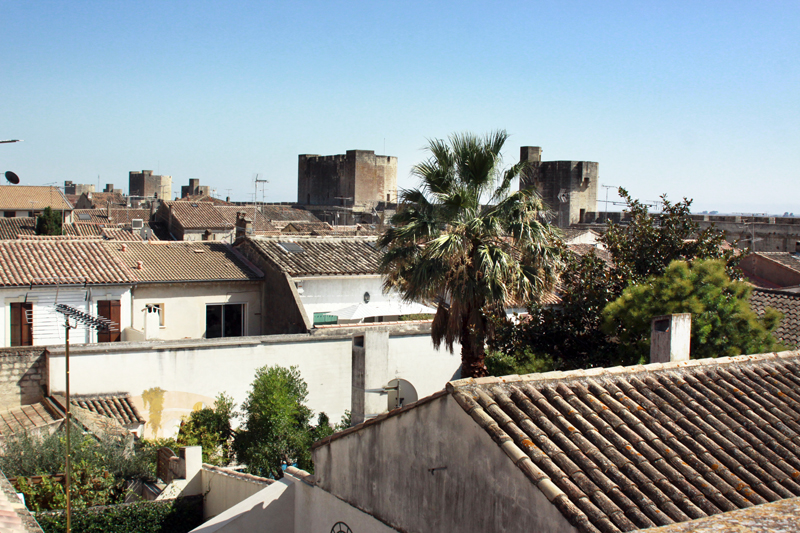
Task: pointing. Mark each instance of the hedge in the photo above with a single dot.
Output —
(166, 516)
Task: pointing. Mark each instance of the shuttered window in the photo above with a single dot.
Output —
(109, 309)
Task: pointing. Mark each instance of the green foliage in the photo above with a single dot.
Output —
(48, 223)
(211, 429)
(277, 427)
(99, 468)
(168, 516)
(447, 249)
(571, 332)
(649, 243)
(500, 363)
(722, 322)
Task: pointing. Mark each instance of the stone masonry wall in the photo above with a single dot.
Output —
(23, 376)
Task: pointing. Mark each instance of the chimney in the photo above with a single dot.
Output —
(139, 265)
(243, 225)
(124, 247)
(670, 338)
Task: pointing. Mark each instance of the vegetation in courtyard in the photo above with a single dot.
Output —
(572, 334)
(211, 428)
(722, 322)
(277, 429)
(464, 243)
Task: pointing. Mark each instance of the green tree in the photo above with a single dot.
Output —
(48, 222)
(722, 322)
(569, 335)
(277, 427)
(648, 243)
(211, 429)
(447, 249)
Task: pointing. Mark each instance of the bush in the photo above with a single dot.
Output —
(211, 429)
(166, 516)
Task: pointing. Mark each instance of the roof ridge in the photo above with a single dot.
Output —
(599, 372)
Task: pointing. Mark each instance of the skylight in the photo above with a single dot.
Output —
(292, 247)
(84, 216)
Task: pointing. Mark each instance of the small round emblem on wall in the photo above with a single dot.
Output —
(366, 297)
(341, 527)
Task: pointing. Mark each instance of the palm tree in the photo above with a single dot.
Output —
(446, 249)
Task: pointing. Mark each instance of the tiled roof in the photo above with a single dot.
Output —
(197, 215)
(118, 407)
(101, 199)
(10, 228)
(307, 227)
(32, 198)
(25, 418)
(183, 261)
(788, 303)
(621, 449)
(83, 230)
(14, 516)
(286, 213)
(321, 255)
(204, 198)
(260, 225)
(118, 216)
(789, 260)
(26, 262)
(583, 249)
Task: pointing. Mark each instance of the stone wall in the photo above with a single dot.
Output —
(569, 188)
(357, 178)
(23, 376)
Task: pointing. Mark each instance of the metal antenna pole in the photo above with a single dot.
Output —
(69, 423)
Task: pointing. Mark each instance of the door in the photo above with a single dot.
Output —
(109, 309)
(21, 324)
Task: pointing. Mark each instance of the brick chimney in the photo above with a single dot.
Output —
(243, 225)
(670, 338)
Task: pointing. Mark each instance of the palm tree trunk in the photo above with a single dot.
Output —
(472, 351)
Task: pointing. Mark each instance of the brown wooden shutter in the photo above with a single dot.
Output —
(109, 309)
(21, 328)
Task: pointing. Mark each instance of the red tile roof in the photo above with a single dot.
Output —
(32, 198)
(10, 228)
(183, 261)
(38, 262)
(195, 215)
(320, 255)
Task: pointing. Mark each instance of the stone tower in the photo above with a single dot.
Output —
(358, 179)
(568, 187)
(147, 184)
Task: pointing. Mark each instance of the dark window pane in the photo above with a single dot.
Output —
(213, 321)
(233, 320)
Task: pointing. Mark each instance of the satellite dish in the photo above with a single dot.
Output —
(11, 177)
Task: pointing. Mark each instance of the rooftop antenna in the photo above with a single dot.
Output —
(256, 181)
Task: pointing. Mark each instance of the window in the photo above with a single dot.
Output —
(224, 320)
(159, 308)
(9, 214)
(21, 324)
(109, 309)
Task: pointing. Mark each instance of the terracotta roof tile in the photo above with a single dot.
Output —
(24, 418)
(635, 447)
(26, 262)
(101, 199)
(280, 215)
(195, 215)
(584, 249)
(183, 261)
(260, 225)
(32, 198)
(320, 255)
(788, 303)
(118, 407)
(789, 260)
(118, 216)
(307, 227)
(10, 228)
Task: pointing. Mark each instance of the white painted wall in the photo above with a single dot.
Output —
(291, 506)
(48, 324)
(222, 490)
(323, 294)
(185, 306)
(190, 374)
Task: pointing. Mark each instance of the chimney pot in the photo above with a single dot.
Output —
(670, 338)
(124, 247)
(138, 265)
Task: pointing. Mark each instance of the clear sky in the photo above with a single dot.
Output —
(696, 99)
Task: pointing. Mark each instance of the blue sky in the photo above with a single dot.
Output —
(695, 99)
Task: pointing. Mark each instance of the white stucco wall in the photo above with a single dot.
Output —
(432, 468)
(185, 306)
(48, 324)
(168, 379)
(222, 490)
(328, 293)
(291, 506)
(178, 377)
